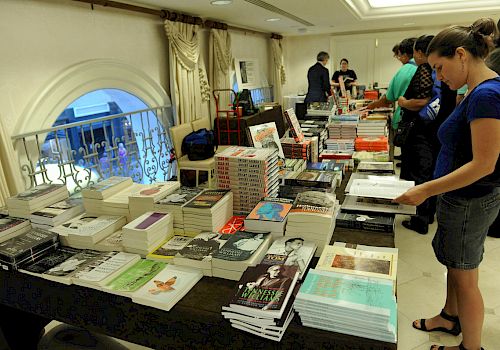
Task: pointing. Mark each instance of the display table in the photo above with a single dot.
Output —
(194, 323)
(271, 115)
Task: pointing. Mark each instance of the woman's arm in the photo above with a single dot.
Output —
(485, 149)
(415, 104)
(381, 102)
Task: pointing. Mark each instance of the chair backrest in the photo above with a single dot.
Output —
(203, 123)
(178, 133)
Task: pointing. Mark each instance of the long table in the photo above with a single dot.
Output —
(194, 323)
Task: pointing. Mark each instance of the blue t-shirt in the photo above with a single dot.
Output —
(455, 135)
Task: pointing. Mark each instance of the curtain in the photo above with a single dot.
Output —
(189, 83)
(220, 59)
(10, 177)
(278, 70)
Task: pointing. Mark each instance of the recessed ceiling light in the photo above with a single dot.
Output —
(273, 19)
(221, 2)
(398, 3)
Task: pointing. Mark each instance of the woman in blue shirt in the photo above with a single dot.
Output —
(466, 180)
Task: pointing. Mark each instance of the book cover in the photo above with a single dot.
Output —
(240, 246)
(150, 220)
(59, 208)
(136, 276)
(202, 247)
(312, 178)
(207, 199)
(379, 205)
(26, 244)
(235, 223)
(265, 287)
(314, 203)
(107, 267)
(70, 265)
(270, 210)
(290, 251)
(51, 259)
(294, 125)
(180, 196)
(36, 192)
(366, 221)
(86, 225)
(266, 136)
(8, 223)
(168, 249)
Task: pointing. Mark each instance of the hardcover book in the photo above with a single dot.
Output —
(240, 246)
(266, 136)
(293, 124)
(136, 276)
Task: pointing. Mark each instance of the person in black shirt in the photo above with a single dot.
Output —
(348, 75)
(319, 80)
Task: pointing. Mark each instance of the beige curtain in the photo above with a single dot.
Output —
(10, 177)
(189, 82)
(278, 70)
(220, 59)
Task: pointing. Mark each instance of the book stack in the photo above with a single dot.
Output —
(118, 204)
(312, 218)
(200, 251)
(356, 305)
(262, 305)
(56, 214)
(296, 150)
(376, 167)
(111, 243)
(250, 173)
(84, 231)
(336, 155)
(234, 224)
(49, 261)
(173, 203)
(372, 128)
(166, 251)
(269, 215)
(295, 164)
(26, 247)
(377, 222)
(134, 277)
(146, 232)
(240, 251)
(336, 167)
(379, 143)
(95, 195)
(104, 269)
(290, 251)
(310, 178)
(312, 128)
(265, 136)
(41, 196)
(168, 287)
(342, 129)
(208, 211)
(11, 227)
(340, 145)
(144, 199)
(106, 188)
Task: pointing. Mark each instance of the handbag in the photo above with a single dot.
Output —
(199, 145)
(403, 131)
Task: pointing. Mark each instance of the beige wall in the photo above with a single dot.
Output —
(46, 36)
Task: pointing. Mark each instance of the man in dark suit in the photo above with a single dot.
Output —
(319, 80)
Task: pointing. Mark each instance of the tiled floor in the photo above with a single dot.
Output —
(421, 291)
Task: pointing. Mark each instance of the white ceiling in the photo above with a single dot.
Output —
(331, 16)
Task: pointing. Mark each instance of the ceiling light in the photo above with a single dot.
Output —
(273, 19)
(398, 3)
(221, 2)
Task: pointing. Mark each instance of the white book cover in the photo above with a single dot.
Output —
(155, 192)
(380, 188)
(108, 269)
(168, 287)
(106, 187)
(379, 205)
(87, 225)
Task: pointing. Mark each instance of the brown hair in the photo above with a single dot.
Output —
(493, 60)
(472, 39)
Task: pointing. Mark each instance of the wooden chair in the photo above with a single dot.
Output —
(178, 133)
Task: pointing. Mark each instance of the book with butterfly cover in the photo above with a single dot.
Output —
(169, 286)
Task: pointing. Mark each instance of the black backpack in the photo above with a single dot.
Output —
(199, 145)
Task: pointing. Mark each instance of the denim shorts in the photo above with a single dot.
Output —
(462, 227)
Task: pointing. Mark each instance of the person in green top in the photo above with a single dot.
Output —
(399, 82)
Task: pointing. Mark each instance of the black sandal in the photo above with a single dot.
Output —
(456, 330)
(442, 347)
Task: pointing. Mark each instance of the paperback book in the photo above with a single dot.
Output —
(169, 248)
(266, 136)
(135, 277)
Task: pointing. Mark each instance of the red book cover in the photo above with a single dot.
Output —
(235, 223)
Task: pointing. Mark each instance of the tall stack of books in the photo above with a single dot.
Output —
(263, 303)
(84, 231)
(41, 196)
(12, 227)
(250, 173)
(26, 247)
(56, 214)
(312, 218)
(118, 204)
(355, 305)
(342, 129)
(145, 233)
(240, 251)
(269, 215)
(144, 199)
(173, 203)
(296, 150)
(208, 211)
(309, 180)
(312, 128)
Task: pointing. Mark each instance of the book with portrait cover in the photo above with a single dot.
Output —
(235, 223)
(202, 247)
(264, 290)
(240, 246)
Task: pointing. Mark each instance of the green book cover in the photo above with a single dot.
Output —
(136, 276)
